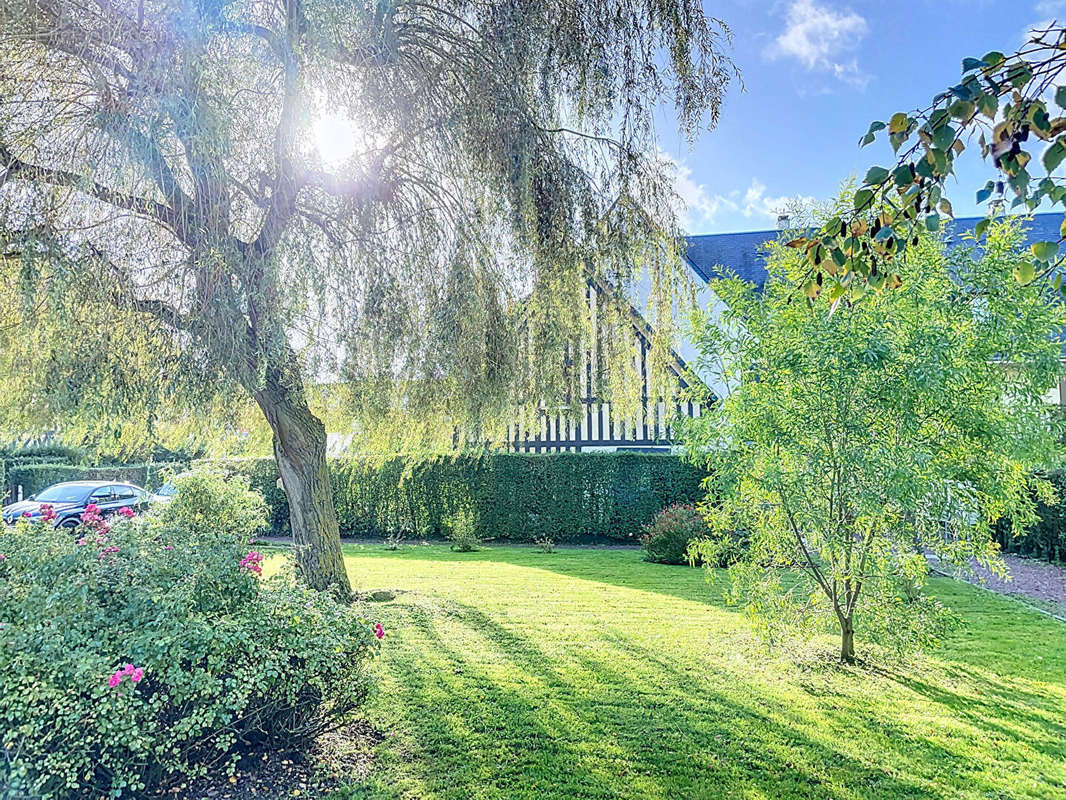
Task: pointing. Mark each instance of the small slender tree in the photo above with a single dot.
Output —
(861, 437)
(172, 240)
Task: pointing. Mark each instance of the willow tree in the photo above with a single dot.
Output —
(159, 188)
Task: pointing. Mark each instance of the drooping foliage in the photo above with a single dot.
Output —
(859, 437)
(174, 232)
(164, 212)
(1015, 107)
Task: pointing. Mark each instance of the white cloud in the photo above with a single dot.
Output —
(703, 208)
(821, 39)
(1050, 8)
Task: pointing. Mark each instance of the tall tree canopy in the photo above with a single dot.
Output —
(172, 233)
(860, 438)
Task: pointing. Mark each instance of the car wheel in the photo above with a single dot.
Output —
(68, 525)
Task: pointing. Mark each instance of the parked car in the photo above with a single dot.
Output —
(165, 493)
(69, 501)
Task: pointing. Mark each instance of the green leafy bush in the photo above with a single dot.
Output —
(461, 532)
(212, 499)
(151, 652)
(666, 538)
(263, 477)
(517, 497)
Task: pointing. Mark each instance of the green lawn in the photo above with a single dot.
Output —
(509, 673)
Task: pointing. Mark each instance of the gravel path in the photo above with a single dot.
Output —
(1028, 578)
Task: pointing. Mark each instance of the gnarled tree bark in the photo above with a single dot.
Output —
(300, 451)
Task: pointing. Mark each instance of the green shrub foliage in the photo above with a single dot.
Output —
(263, 477)
(147, 653)
(517, 497)
(212, 499)
(461, 532)
(666, 538)
(1046, 538)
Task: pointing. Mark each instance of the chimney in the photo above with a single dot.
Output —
(782, 222)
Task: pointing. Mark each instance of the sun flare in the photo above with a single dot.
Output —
(336, 138)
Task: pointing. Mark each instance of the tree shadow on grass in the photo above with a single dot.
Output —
(507, 719)
(489, 712)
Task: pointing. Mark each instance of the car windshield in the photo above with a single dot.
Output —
(63, 493)
(167, 490)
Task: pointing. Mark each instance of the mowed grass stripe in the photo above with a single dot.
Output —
(509, 673)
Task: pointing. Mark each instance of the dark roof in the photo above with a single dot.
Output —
(745, 253)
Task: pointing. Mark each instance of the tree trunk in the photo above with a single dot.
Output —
(300, 452)
(847, 640)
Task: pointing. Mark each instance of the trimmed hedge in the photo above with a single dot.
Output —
(35, 477)
(568, 497)
(1047, 538)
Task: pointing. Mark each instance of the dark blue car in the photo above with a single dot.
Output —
(69, 500)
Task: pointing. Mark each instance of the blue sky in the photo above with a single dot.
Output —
(815, 73)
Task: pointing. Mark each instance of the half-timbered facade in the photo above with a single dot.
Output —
(597, 427)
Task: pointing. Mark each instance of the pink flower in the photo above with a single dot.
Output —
(27, 515)
(135, 674)
(169, 547)
(3, 557)
(379, 631)
(252, 562)
(48, 512)
(127, 512)
(81, 540)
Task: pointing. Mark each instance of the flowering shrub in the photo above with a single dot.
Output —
(253, 562)
(154, 650)
(666, 538)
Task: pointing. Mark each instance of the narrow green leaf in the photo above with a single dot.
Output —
(969, 64)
